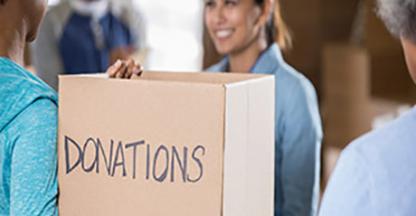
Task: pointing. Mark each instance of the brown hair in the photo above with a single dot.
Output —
(276, 28)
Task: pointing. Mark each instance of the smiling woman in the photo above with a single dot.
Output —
(275, 28)
(251, 33)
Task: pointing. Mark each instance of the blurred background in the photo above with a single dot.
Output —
(357, 67)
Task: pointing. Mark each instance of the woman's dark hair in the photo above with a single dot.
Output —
(276, 28)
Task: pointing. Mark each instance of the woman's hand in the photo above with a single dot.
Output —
(125, 69)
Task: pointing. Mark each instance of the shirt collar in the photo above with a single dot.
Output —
(95, 9)
(267, 63)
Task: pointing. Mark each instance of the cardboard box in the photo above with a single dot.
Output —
(346, 104)
(167, 144)
(346, 73)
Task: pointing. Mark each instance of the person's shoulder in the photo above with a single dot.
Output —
(22, 82)
(286, 75)
(293, 87)
(43, 111)
(381, 162)
(18, 78)
(394, 135)
(38, 116)
(387, 148)
(19, 89)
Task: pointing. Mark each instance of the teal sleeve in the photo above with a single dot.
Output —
(33, 181)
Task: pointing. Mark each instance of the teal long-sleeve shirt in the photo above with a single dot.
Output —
(298, 135)
(28, 156)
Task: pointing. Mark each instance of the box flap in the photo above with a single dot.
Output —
(187, 77)
(249, 148)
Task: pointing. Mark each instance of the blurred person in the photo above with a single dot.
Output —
(86, 36)
(28, 116)
(251, 34)
(375, 174)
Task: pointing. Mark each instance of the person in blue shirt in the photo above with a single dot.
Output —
(86, 36)
(376, 175)
(251, 33)
(28, 117)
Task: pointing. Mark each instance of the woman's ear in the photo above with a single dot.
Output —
(266, 12)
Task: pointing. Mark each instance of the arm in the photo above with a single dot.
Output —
(348, 190)
(300, 148)
(33, 181)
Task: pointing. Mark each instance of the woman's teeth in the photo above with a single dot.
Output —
(223, 33)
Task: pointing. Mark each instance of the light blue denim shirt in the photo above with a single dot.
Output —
(376, 174)
(28, 154)
(298, 135)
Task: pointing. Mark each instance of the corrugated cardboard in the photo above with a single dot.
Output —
(166, 144)
(346, 105)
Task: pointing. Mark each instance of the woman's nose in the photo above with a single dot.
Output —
(220, 15)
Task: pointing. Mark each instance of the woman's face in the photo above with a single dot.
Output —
(233, 25)
(34, 11)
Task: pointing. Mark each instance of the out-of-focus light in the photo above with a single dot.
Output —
(53, 2)
(174, 34)
(175, 50)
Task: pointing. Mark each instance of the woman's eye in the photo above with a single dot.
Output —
(209, 3)
(230, 3)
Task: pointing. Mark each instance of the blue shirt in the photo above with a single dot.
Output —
(79, 49)
(376, 175)
(298, 135)
(28, 159)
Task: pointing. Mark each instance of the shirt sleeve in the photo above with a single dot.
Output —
(33, 181)
(300, 150)
(348, 192)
